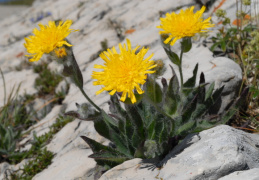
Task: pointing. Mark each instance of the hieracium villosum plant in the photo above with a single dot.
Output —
(145, 120)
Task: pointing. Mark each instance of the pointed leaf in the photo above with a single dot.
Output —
(201, 89)
(209, 91)
(228, 115)
(96, 146)
(160, 129)
(173, 72)
(212, 48)
(186, 128)
(190, 83)
(189, 108)
(199, 111)
(109, 156)
(151, 130)
(136, 119)
(206, 123)
(146, 111)
(121, 145)
(111, 132)
(171, 98)
(102, 128)
(186, 44)
(217, 94)
(173, 57)
(153, 91)
(223, 45)
(109, 120)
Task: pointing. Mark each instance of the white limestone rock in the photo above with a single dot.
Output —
(3, 168)
(211, 154)
(40, 128)
(225, 72)
(68, 138)
(6, 169)
(71, 160)
(131, 170)
(251, 174)
(62, 87)
(39, 108)
(71, 165)
(13, 79)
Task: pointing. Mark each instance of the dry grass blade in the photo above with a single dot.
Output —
(4, 85)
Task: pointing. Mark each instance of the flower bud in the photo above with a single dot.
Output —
(220, 13)
(226, 21)
(65, 57)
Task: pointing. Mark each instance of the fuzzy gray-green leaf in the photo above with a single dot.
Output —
(121, 145)
(186, 44)
(110, 157)
(151, 130)
(209, 91)
(173, 57)
(153, 91)
(136, 119)
(108, 119)
(171, 98)
(185, 128)
(190, 83)
(96, 146)
(102, 128)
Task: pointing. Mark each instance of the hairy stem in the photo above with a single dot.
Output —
(89, 100)
(180, 68)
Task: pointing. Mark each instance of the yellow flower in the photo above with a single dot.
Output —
(47, 39)
(184, 24)
(60, 52)
(123, 72)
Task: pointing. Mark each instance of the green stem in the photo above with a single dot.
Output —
(90, 101)
(180, 68)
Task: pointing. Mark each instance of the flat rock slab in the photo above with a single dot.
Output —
(71, 165)
(211, 154)
(7, 10)
(251, 174)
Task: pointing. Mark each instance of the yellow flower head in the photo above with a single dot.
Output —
(47, 39)
(184, 24)
(123, 72)
(60, 52)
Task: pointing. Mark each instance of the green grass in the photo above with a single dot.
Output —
(40, 157)
(42, 160)
(15, 118)
(47, 81)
